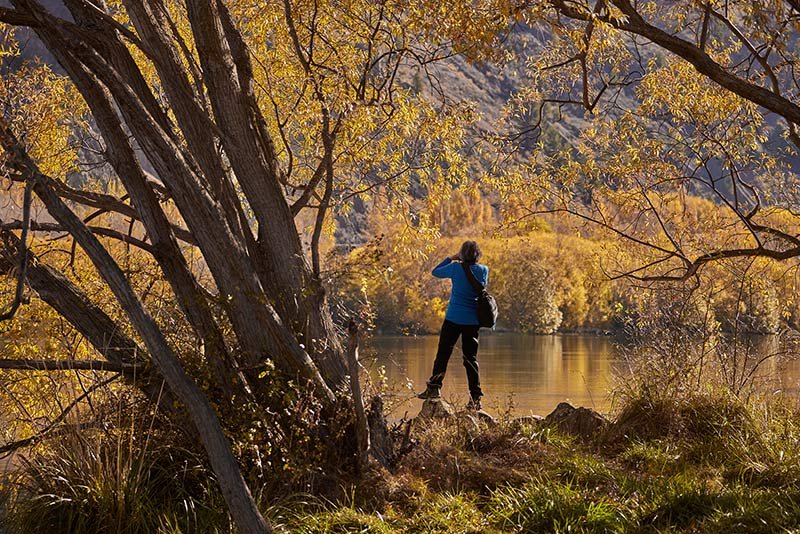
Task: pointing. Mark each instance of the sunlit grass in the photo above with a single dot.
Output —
(714, 468)
(552, 506)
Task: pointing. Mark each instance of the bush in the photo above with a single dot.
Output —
(699, 416)
(526, 294)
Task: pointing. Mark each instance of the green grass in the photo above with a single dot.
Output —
(712, 467)
(340, 520)
(551, 506)
(684, 504)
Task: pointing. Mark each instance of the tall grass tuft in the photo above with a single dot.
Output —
(5, 494)
(446, 513)
(308, 514)
(93, 483)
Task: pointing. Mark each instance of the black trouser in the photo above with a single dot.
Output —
(469, 346)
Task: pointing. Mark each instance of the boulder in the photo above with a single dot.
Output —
(582, 422)
(470, 420)
(436, 409)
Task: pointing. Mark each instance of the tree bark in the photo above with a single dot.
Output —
(164, 243)
(257, 325)
(210, 145)
(293, 287)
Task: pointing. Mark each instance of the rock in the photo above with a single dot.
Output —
(582, 422)
(471, 419)
(478, 419)
(436, 409)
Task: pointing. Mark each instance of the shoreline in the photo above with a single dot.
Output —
(598, 332)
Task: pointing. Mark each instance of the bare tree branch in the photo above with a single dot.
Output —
(635, 23)
(69, 365)
(36, 226)
(16, 17)
(42, 434)
(205, 419)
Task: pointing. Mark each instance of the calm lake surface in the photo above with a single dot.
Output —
(536, 372)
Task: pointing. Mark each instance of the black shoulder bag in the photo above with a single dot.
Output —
(487, 306)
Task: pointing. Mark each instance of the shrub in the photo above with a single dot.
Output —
(526, 294)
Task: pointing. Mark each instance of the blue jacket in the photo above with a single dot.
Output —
(463, 307)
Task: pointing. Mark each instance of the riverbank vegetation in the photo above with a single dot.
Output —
(704, 462)
(549, 274)
(701, 464)
(694, 444)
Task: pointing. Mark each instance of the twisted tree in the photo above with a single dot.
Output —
(222, 140)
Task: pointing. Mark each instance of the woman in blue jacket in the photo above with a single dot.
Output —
(461, 320)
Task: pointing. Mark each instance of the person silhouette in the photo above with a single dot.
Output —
(461, 320)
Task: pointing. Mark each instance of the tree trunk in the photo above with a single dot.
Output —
(362, 428)
(237, 495)
(102, 332)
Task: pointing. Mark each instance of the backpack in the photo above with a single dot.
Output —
(487, 306)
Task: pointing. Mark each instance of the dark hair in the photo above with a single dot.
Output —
(470, 252)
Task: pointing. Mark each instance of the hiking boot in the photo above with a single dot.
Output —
(474, 404)
(431, 392)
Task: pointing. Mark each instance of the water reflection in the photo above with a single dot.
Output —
(537, 371)
(541, 371)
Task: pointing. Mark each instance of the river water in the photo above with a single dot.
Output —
(534, 372)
